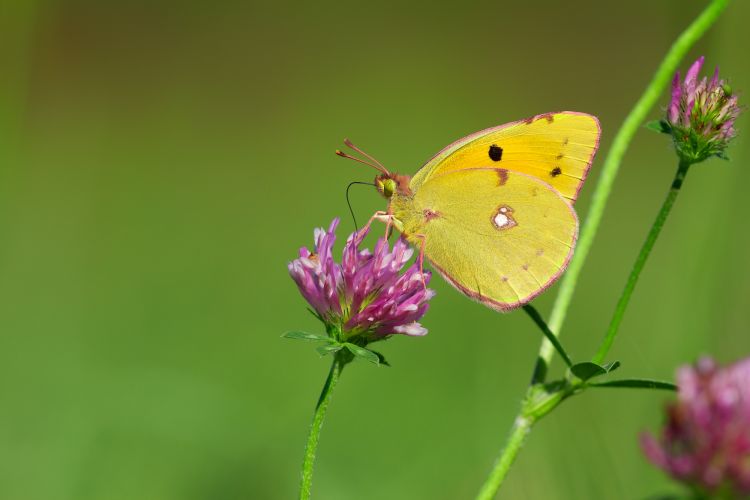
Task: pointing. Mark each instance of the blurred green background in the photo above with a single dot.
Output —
(161, 162)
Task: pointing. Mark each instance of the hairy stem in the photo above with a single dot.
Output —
(611, 165)
(640, 261)
(521, 427)
(317, 423)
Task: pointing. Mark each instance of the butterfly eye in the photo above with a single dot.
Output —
(386, 186)
(389, 187)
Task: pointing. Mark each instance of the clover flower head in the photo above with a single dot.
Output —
(701, 115)
(365, 297)
(706, 440)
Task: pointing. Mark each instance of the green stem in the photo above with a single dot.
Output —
(317, 423)
(648, 245)
(521, 428)
(620, 143)
(537, 318)
(611, 165)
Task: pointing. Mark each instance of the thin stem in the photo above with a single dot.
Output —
(537, 318)
(629, 127)
(640, 261)
(317, 423)
(611, 165)
(521, 428)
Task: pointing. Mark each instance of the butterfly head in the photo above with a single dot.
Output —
(390, 184)
(386, 183)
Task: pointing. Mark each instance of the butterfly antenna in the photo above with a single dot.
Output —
(351, 210)
(372, 163)
(355, 148)
(344, 155)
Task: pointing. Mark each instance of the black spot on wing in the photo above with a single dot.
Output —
(496, 153)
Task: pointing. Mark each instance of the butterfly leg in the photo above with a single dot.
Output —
(388, 223)
(379, 215)
(420, 259)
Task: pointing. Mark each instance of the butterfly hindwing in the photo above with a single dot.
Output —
(557, 148)
(500, 237)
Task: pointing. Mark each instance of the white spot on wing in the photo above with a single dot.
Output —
(501, 220)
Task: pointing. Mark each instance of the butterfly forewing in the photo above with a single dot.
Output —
(556, 148)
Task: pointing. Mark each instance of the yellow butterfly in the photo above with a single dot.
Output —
(493, 211)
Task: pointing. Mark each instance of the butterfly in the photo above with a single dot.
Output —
(493, 212)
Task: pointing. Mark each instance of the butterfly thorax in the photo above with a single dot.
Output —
(395, 188)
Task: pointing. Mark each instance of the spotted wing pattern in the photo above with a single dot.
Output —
(557, 148)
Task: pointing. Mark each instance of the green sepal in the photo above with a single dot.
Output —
(722, 155)
(298, 335)
(315, 313)
(329, 349)
(382, 359)
(361, 352)
(661, 126)
(588, 370)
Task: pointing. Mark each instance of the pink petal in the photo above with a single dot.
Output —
(674, 104)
